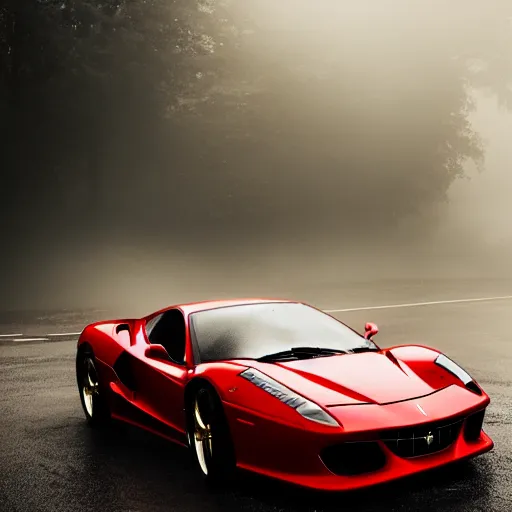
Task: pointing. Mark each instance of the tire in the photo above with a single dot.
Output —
(92, 396)
(209, 436)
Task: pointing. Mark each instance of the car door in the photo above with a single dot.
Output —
(161, 381)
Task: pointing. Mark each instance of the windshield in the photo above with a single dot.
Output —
(255, 330)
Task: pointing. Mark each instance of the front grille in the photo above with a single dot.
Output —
(353, 458)
(473, 426)
(422, 439)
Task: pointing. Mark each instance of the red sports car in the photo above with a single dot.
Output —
(282, 389)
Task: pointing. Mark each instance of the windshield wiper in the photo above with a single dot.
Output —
(301, 353)
(357, 350)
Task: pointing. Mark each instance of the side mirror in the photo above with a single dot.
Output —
(370, 329)
(157, 352)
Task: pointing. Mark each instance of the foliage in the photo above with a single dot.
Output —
(244, 114)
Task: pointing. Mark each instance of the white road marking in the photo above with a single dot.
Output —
(415, 304)
(47, 336)
(365, 308)
(65, 334)
(31, 339)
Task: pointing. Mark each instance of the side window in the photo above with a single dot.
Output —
(150, 326)
(168, 329)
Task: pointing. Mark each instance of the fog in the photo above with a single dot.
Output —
(480, 208)
(157, 152)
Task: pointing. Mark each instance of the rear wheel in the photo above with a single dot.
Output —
(209, 436)
(92, 397)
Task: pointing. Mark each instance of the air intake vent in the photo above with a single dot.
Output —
(353, 458)
(473, 426)
(124, 370)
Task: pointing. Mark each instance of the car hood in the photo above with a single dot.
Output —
(372, 377)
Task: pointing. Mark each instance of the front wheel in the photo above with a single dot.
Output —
(209, 436)
(93, 401)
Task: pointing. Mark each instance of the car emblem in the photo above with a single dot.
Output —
(421, 409)
(429, 438)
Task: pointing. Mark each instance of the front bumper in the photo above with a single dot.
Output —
(394, 469)
(297, 455)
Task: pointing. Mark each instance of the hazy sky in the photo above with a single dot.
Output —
(313, 129)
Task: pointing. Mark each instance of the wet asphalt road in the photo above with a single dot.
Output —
(51, 461)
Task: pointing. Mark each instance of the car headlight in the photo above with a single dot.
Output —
(303, 406)
(456, 370)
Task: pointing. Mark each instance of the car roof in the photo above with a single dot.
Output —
(194, 307)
